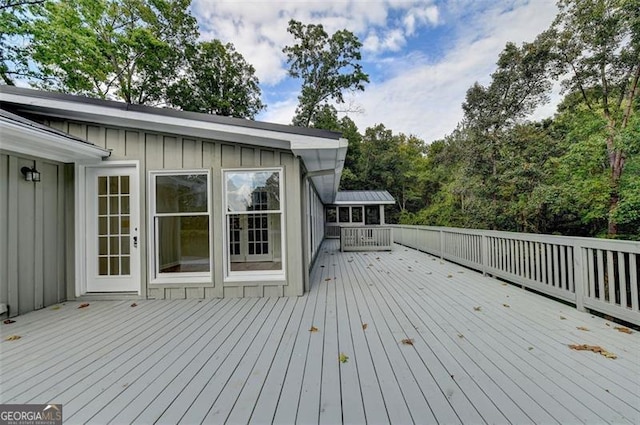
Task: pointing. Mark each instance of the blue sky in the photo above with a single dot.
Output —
(421, 56)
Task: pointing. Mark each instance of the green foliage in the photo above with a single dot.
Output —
(127, 49)
(217, 80)
(138, 51)
(327, 65)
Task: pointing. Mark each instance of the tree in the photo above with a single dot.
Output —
(598, 45)
(327, 65)
(217, 80)
(517, 87)
(127, 49)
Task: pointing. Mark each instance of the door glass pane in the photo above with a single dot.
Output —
(125, 265)
(111, 222)
(102, 185)
(124, 185)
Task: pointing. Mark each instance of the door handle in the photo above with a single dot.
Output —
(135, 241)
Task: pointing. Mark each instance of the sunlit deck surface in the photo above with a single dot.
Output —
(481, 352)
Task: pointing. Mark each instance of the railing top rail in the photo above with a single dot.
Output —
(606, 244)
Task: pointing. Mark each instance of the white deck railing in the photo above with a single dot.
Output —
(600, 274)
(366, 238)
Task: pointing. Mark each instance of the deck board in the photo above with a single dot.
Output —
(255, 360)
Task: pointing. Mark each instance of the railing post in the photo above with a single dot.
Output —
(579, 273)
(441, 244)
(484, 252)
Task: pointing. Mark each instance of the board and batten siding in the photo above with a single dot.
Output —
(33, 268)
(159, 151)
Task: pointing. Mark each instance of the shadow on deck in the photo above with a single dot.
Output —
(475, 351)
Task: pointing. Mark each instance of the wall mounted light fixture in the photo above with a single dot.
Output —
(30, 174)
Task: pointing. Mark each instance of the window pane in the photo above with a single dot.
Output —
(372, 215)
(183, 244)
(260, 247)
(331, 215)
(356, 214)
(181, 193)
(343, 214)
(253, 191)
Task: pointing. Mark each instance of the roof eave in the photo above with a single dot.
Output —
(35, 142)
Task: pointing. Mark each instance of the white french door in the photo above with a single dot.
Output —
(112, 224)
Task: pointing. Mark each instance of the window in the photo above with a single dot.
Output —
(181, 229)
(332, 216)
(372, 215)
(343, 214)
(254, 222)
(356, 214)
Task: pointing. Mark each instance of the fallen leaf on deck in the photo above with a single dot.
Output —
(83, 305)
(12, 338)
(313, 329)
(606, 324)
(593, 348)
(407, 341)
(55, 307)
(449, 276)
(582, 328)
(364, 326)
(504, 284)
(477, 308)
(327, 279)
(460, 271)
(506, 305)
(377, 258)
(623, 329)
(460, 336)
(9, 321)
(343, 358)
(134, 305)
(563, 318)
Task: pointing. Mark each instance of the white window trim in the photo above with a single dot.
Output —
(257, 275)
(156, 278)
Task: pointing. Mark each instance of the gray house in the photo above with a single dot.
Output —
(106, 199)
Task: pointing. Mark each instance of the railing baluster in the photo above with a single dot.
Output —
(634, 281)
(622, 279)
(611, 280)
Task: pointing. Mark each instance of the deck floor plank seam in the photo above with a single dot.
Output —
(257, 360)
(131, 401)
(474, 318)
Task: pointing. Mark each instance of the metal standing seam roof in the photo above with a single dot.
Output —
(350, 197)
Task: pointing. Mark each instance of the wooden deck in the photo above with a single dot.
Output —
(482, 352)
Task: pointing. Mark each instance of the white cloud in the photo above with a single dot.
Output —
(414, 92)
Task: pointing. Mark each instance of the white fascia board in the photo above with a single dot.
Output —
(42, 144)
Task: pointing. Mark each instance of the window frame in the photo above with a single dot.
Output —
(253, 275)
(155, 276)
